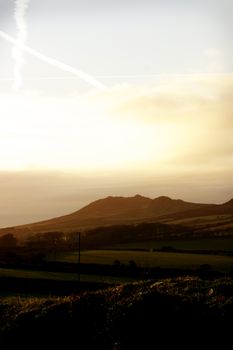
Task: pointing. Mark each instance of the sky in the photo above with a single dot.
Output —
(103, 98)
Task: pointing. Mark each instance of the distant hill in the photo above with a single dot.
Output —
(124, 210)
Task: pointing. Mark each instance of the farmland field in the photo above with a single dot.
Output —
(59, 276)
(37, 274)
(213, 220)
(223, 244)
(151, 259)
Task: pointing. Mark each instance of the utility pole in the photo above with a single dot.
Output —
(79, 243)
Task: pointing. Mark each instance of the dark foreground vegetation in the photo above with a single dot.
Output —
(144, 315)
(42, 305)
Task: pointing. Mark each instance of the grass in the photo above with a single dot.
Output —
(215, 244)
(37, 274)
(151, 259)
(60, 276)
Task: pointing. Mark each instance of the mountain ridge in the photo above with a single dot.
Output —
(115, 210)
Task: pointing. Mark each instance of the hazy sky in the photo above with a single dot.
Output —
(161, 126)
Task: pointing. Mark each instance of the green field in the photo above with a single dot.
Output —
(37, 274)
(59, 276)
(223, 244)
(151, 259)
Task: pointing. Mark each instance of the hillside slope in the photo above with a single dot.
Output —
(123, 210)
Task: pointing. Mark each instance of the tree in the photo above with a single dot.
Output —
(8, 241)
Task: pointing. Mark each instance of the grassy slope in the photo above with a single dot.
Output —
(133, 316)
(205, 224)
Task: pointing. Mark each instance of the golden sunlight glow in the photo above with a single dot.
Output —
(126, 129)
(35, 134)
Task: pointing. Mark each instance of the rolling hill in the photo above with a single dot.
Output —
(132, 210)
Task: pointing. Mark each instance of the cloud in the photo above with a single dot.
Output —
(20, 14)
(214, 60)
(170, 97)
(20, 46)
(193, 114)
(181, 122)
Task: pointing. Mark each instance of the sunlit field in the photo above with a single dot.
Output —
(151, 259)
(205, 244)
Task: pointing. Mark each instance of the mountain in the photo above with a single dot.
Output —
(131, 208)
(229, 203)
(124, 210)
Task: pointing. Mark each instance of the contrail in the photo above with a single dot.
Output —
(21, 25)
(65, 67)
